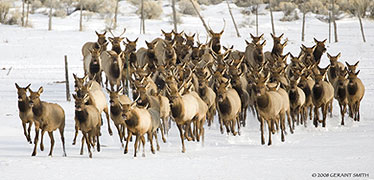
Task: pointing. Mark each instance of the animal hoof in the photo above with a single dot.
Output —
(153, 152)
(41, 147)
(143, 155)
(158, 148)
(33, 154)
(164, 140)
(64, 155)
(73, 143)
(125, 152)
(90, 156)
(50, 155)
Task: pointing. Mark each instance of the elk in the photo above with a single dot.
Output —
(229, 107)
(116, 41)
(138, 122)
(185, 109)
(92, 65)
(297, 101)
(254, 55)
(340, 91)
(97, 98)
(306, 83)
(88, 119)
(307, 55)
(256, 39)
(241, 89)
(319, 50)
(113, 67)
(89, 46)
(190, 40)
(208, 96)
(335, 66)
(147, 56)
(25, 111)
(277, 47)
(352, 68)
(322, 96)
(295, 65)
(356, 91)
(116, 99)
(215, 41)
(170, 56)
(47, 117)
(269, 106)
(168, 36)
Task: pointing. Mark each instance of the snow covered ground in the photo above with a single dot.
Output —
(36, 56)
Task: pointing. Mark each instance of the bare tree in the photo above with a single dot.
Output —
(81, 16)
(201, 18)
(142, 24)
(271, 17)
(333, 20)
(360, 11)
(174, 15)
(257, 19)
(27, 12)
(303, 25)
(115, 15)
(233, 19)
(23, 13)
(50, 16)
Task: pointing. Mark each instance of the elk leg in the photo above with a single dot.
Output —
(41, 140)
(262, 131)
(315, 121)
(155, 135)
(119, 133)
(136, 144)
(239, 125)
(269, 127)
(162, 134)
(150, 139)
(342, 113)
(36, 139)
(29, 130)
(330, 108)
(220, 123)
(98, 142)
(143, 142)
(76, 134)
(52, 142)
(358, 111)
(202, 132)
(233, 123)
(81, 153)
(107, 118)
(127, 141)
(61, 130)
(88, 144)
(25, 132)
(182, 138)
(324, 113)
(283, 128)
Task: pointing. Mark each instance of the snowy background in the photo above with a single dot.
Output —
(36, 56)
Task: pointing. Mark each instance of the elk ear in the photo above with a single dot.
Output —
(315, 40)
(17, 86)
(356, 63)
(272, 35)
(357, 72)
(328, 55)
(110, 39)
(314, 47)
(75, 76)
(75, 96)
(261, 36)
(28, 86)
(346, 63)
(108, 90)
(85, 78)
(163, 32)
(97, 33)
(303, 47)
(104, 33)
(281, 36)
(324, 41)
(292, 57)
(338, 56)
(264, 43)
(247, 42)
(120, 91)
(40, 91)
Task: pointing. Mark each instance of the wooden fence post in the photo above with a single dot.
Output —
(67, 79)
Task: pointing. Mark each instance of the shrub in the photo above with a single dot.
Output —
(247, 3)
(99, 6)
(4, 10)
(14, 18)
(185, 7)
(59, 13)
(152, 9)
(316, 6)
(209, 2)
(179, 18)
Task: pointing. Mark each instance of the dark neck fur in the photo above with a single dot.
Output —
(225, 106)
(262, 101)
(81, 116)
(115, 110)
(117, 49)
(37, 109)
(115, 70)
(317, 54)
(23, 106)
(177, 108)
(132, 120)
(317, 92)
(352, 88)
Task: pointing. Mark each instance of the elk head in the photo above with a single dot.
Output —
(308, 54)
(256, 39)
(35, 97)
(190, 40)
(116, 41)
(178, 37)
(80, 102)
(101, 38)
(168, 36)
(79, 82)
(22, 93)
(352, 68)
(215, 41)
(114, 96)
(333, 59)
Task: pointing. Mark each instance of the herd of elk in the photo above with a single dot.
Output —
(178, 79)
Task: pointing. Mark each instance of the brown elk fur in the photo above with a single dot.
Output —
(334, 68)
(356, 91)
(25, 111)
(88, 119)
(48, 117)
(322, 96)
(319, 50)
(340, 92)
(101, 40)
(113, 68)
